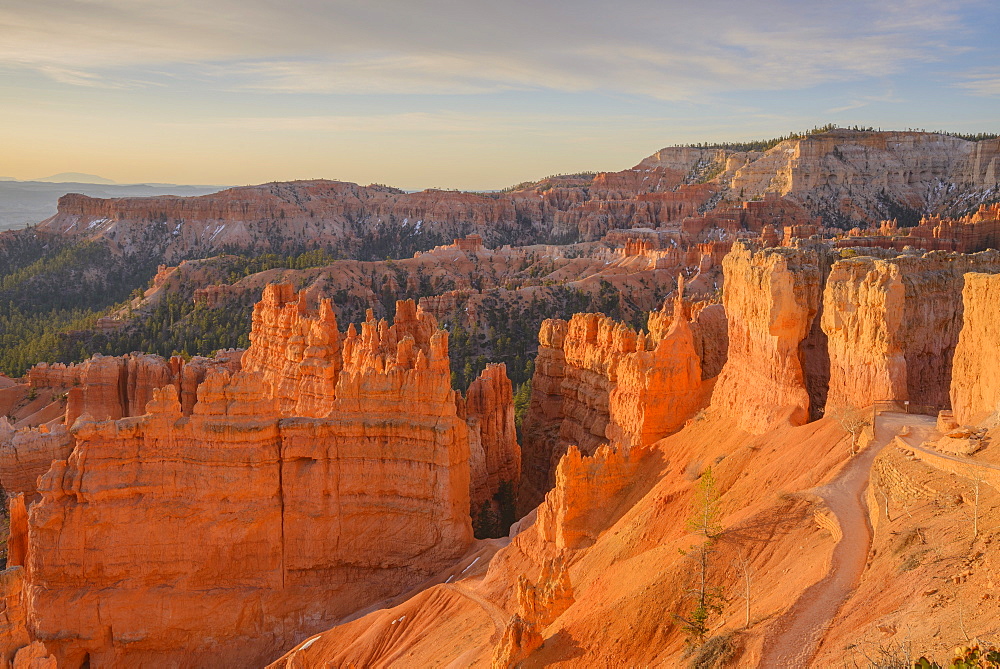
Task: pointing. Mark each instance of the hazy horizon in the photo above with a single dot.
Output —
(454, 95)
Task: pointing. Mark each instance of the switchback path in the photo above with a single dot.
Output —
(797, 634)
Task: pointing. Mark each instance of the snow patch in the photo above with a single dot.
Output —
(470, 565)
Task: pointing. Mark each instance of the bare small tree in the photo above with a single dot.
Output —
(854, 421)
(975, 513)
(743, 565)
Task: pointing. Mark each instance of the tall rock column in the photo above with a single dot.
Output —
(862, 317)
(771, 298)
(494, 455)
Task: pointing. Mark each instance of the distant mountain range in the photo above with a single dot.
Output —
(77, 177)
(24, 203)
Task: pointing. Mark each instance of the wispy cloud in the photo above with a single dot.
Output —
(667, 50)
(981, 83)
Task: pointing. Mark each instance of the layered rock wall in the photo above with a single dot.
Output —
(975, 380)
(893, 326)
(106, 387)
(297, 520)
(597, 381)
(331, 472)
(27, 454)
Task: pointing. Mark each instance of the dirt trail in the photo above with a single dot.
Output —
(797, 634)
(499, 616)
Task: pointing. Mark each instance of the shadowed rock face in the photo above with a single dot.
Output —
(331, 472)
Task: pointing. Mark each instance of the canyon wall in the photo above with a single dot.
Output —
(771, 299)
(841, 175)
(893, 325)
(597, 381)
(856, 174)
(296, 521)
(334, 470)
(975, 380)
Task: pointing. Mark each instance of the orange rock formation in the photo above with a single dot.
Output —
(975, 384)
(893, 324)
(771, 298)
(27, 454)
(597, 381)
(327, 490)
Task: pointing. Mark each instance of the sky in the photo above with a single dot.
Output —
(469, 94)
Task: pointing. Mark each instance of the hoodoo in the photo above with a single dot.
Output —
(331, 475)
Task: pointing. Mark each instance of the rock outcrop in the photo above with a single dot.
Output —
(27, 454)
(537, 606)
(975, 377)
(109, 388)
(855, 173)
(296, 350)
(494, 454)
(597, 381)
(584, 485)
(657, 390)
(772, 298)
(13, 615)
(331, 472)
(893, 325)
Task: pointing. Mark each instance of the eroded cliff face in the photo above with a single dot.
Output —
(856, 173)
(893, 325)
(975, 378)
(113, 387)
(331, 472)
(494, 454)
(27, 454)
(597, 381)
(771, 298)
(316, 371)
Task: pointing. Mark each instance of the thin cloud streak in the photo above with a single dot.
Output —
(666, 51)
